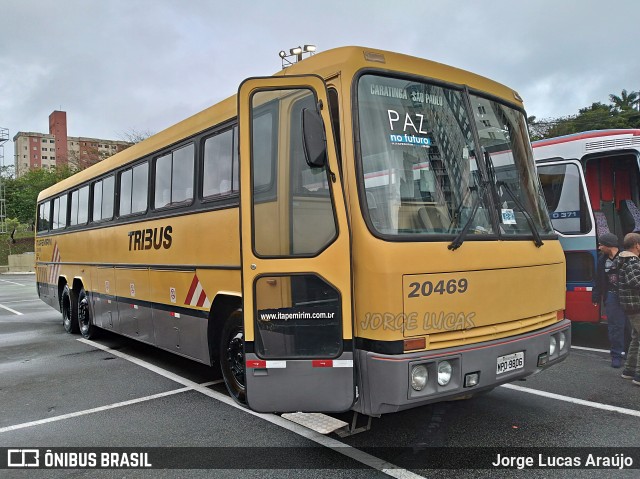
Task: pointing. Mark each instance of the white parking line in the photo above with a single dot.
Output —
(23, 301)
(91, 411)
(590, 349)
(582, 402)
(7, 281)
(337, 446)
(11, 310)
(102, 408)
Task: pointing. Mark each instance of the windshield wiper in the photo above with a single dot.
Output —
(532, 226)
(459, 239)
(455, 221)
(499, 183)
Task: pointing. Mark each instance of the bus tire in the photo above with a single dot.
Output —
(69, 314)
(85, 323)
(232, 360)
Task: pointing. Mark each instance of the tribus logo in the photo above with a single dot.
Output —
(150, 238)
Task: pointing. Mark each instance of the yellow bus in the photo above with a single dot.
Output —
(363, 230)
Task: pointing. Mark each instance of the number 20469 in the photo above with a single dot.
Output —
(427, 288)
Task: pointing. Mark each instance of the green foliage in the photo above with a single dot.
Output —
(22, 243)
(621, 113)
(22, 193)
(626, 101)
(12, 225)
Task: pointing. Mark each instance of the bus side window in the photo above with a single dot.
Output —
(124, 208)
(108, 190)
(134, 185)
(79, 206)
(96, 214)
(140, 188)
(174, 175)
(182, 174)
(83, 205)
(73, 220)
(44, 216)
(218, 164)
(60, 212)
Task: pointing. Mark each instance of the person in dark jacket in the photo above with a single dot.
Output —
(629, 294)
(606, 289)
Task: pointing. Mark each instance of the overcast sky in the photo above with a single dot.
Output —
(122, 65)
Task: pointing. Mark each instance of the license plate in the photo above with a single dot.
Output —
(510, 362)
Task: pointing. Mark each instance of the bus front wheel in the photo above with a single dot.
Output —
(232, 357)
(69, 316)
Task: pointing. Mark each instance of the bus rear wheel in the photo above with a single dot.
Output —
(232, 357)
(69, 315)
(87, 329)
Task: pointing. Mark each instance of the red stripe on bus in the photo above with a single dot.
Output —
(192, 289)
(584, 136)
(322, 363)
(201, 299)
(256, 363)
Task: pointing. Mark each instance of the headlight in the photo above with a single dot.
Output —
(419, 377)
(562, 340)
(552, 345)
(444, 373)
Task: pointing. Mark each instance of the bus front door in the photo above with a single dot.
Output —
(296, 273)
(565, 191)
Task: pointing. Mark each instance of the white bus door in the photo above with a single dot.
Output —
(296, 274)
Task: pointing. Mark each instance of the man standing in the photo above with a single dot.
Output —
(606, 288)
(629, 281)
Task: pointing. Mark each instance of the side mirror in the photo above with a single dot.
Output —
(314, 141)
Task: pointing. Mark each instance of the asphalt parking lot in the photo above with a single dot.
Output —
(59, 391)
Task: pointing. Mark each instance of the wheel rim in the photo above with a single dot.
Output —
(66, 312)
(235, 357)
(83, 314)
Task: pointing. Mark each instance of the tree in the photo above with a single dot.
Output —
(89, 157)
(7, 171)
(134, 136)
(539, 129)
(598, 116)
(12, 225)
(22, 193)
(620, 113)
(626, 101)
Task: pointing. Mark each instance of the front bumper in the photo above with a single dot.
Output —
(384, 379)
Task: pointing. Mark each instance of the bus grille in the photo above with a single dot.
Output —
(489, 333)
(613, 143)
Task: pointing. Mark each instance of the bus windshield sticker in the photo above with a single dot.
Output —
(508, 217)
(407, 131)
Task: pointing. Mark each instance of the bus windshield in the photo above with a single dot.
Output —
(565, 198)
(419, 166)
(505, 143)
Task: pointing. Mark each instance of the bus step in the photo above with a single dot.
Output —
(354, 428)
(316, 421)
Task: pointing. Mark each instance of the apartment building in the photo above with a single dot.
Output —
(56, 148)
